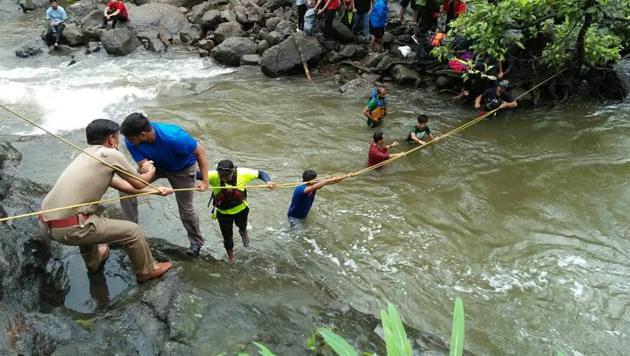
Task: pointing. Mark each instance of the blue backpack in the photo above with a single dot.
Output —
(381, 103)
(378, 16)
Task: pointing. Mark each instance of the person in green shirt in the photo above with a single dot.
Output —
(376, 108)
(420, 132)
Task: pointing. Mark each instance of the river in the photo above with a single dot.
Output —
(523, 216)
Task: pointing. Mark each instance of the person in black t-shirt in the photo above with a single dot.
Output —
(498, 97)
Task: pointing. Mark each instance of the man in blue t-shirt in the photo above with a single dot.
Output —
(174, 153)
(304, 195)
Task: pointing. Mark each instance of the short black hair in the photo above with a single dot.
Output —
(377, 136)
(423, 119)
(99, 130)
(135, 124)
(309, 175)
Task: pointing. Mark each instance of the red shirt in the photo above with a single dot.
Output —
(377, 154)
(334, 5)
(118, 5)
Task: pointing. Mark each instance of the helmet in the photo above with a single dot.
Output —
(504, 84)
(225, 166)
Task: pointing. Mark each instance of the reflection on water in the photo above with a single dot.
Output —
(523, 216)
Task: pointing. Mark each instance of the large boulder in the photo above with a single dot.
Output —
(285, 28)
(91, 25)
(272, 22)
(175, 3)
(72, 34)
(80, 8)
(120, 41)
(157, 17)
(151, 41)
(197, 11)
(342, 32)
(191, 34)
(210, 20)
(405, 76)
(227, 30)
(285, 58)
(232, 49)
(272, 5)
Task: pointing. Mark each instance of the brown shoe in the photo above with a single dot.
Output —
(158, 270)
(103, 252)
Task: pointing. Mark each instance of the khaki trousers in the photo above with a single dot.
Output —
(98, 230)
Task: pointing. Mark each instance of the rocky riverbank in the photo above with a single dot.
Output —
(201, 307)
(262, 32)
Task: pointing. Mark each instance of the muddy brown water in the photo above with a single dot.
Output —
(524, 216)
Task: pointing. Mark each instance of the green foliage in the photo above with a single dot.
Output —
(457, 331)
(263, 350)
(337, 343)
(396, 340)
(495, 29)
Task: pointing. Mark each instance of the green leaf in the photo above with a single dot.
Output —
(263, 350)
(396, 341)
(337, 343)
(518, 43)
(457, 332)
(559, 353)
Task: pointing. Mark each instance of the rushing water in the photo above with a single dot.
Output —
(524, 216)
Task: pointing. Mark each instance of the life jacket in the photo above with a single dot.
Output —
(231, 201)
(381, 105)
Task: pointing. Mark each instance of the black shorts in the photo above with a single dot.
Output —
(377, 32)
(404, 3)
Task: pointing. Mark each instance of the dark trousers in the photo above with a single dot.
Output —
(226, 221)
(113, 19)
(54, 33)
(328, 21)
(301, 10)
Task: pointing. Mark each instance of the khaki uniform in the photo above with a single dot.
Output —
(86, 180)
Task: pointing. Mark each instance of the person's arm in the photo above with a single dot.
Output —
(500, 66)
(64, 17)
(478, 102)
(317, 4)
(352, 8)
(105, 11)
(415, 139)
(202, 162)
(392, 145)
(431, 137)
(125, 187)
(325, 6)
(115, 12)
(508, 105)
(319, 185)
(265, 177)
(368, 109)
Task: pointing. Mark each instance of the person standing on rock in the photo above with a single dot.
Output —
(174, 153)
(56, 17)
(115, 11)
(330, 7)
(86, 180)
(378, 20)
(301, 11)
(361, 18)
(376, 108)
(310, 18)
(231, 204)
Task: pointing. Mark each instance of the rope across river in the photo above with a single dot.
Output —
(450, 133)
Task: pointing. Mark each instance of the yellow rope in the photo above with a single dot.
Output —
(79, 148)
(278, 185)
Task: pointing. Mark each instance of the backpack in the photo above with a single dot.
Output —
(378, 16)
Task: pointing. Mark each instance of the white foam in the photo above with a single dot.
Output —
(64, 98)
(572, 261)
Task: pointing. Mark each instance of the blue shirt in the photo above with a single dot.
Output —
(173, 149)
(58, 15)
(301, 203)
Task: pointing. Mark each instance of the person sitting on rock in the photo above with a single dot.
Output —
(115, 11)
(496, 98)
(56, 17)
(310, 18)
(378, 20)
(376, 108)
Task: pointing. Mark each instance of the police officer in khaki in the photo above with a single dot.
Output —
(87, 179)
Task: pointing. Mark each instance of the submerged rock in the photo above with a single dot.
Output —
(28, 51)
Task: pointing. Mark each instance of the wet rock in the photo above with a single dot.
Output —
(271, 23)
(27, 5)
(197, 12)
(206, 44)
(218, 3)
(406, 76)
(91, 25)
(284, 58)
(62, 50)
(190, 34)
(622, 71)
(28, 51)
(388, 38)
(348, 51)
(342, 32)
(274, 38)
(232, 49)
(272, 5)
(333, 57)
(157, 17)
(285, 28)
(151, 41)
(348, 73)
(255, 13)
(80, 8)
(203, 53)
(175, 348)
(185, 315)
(93, 47)
(372, 59)
(358, 86)
(250, 60)
(330, 45)
(262, 46)
(360, 53)
(444, 82)
(175, 3)
(385, 63)
(72, 34)
(227, 30)
(211, 19)
(228, 15)
(120, 41)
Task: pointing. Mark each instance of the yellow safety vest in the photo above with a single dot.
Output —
(243, 176)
